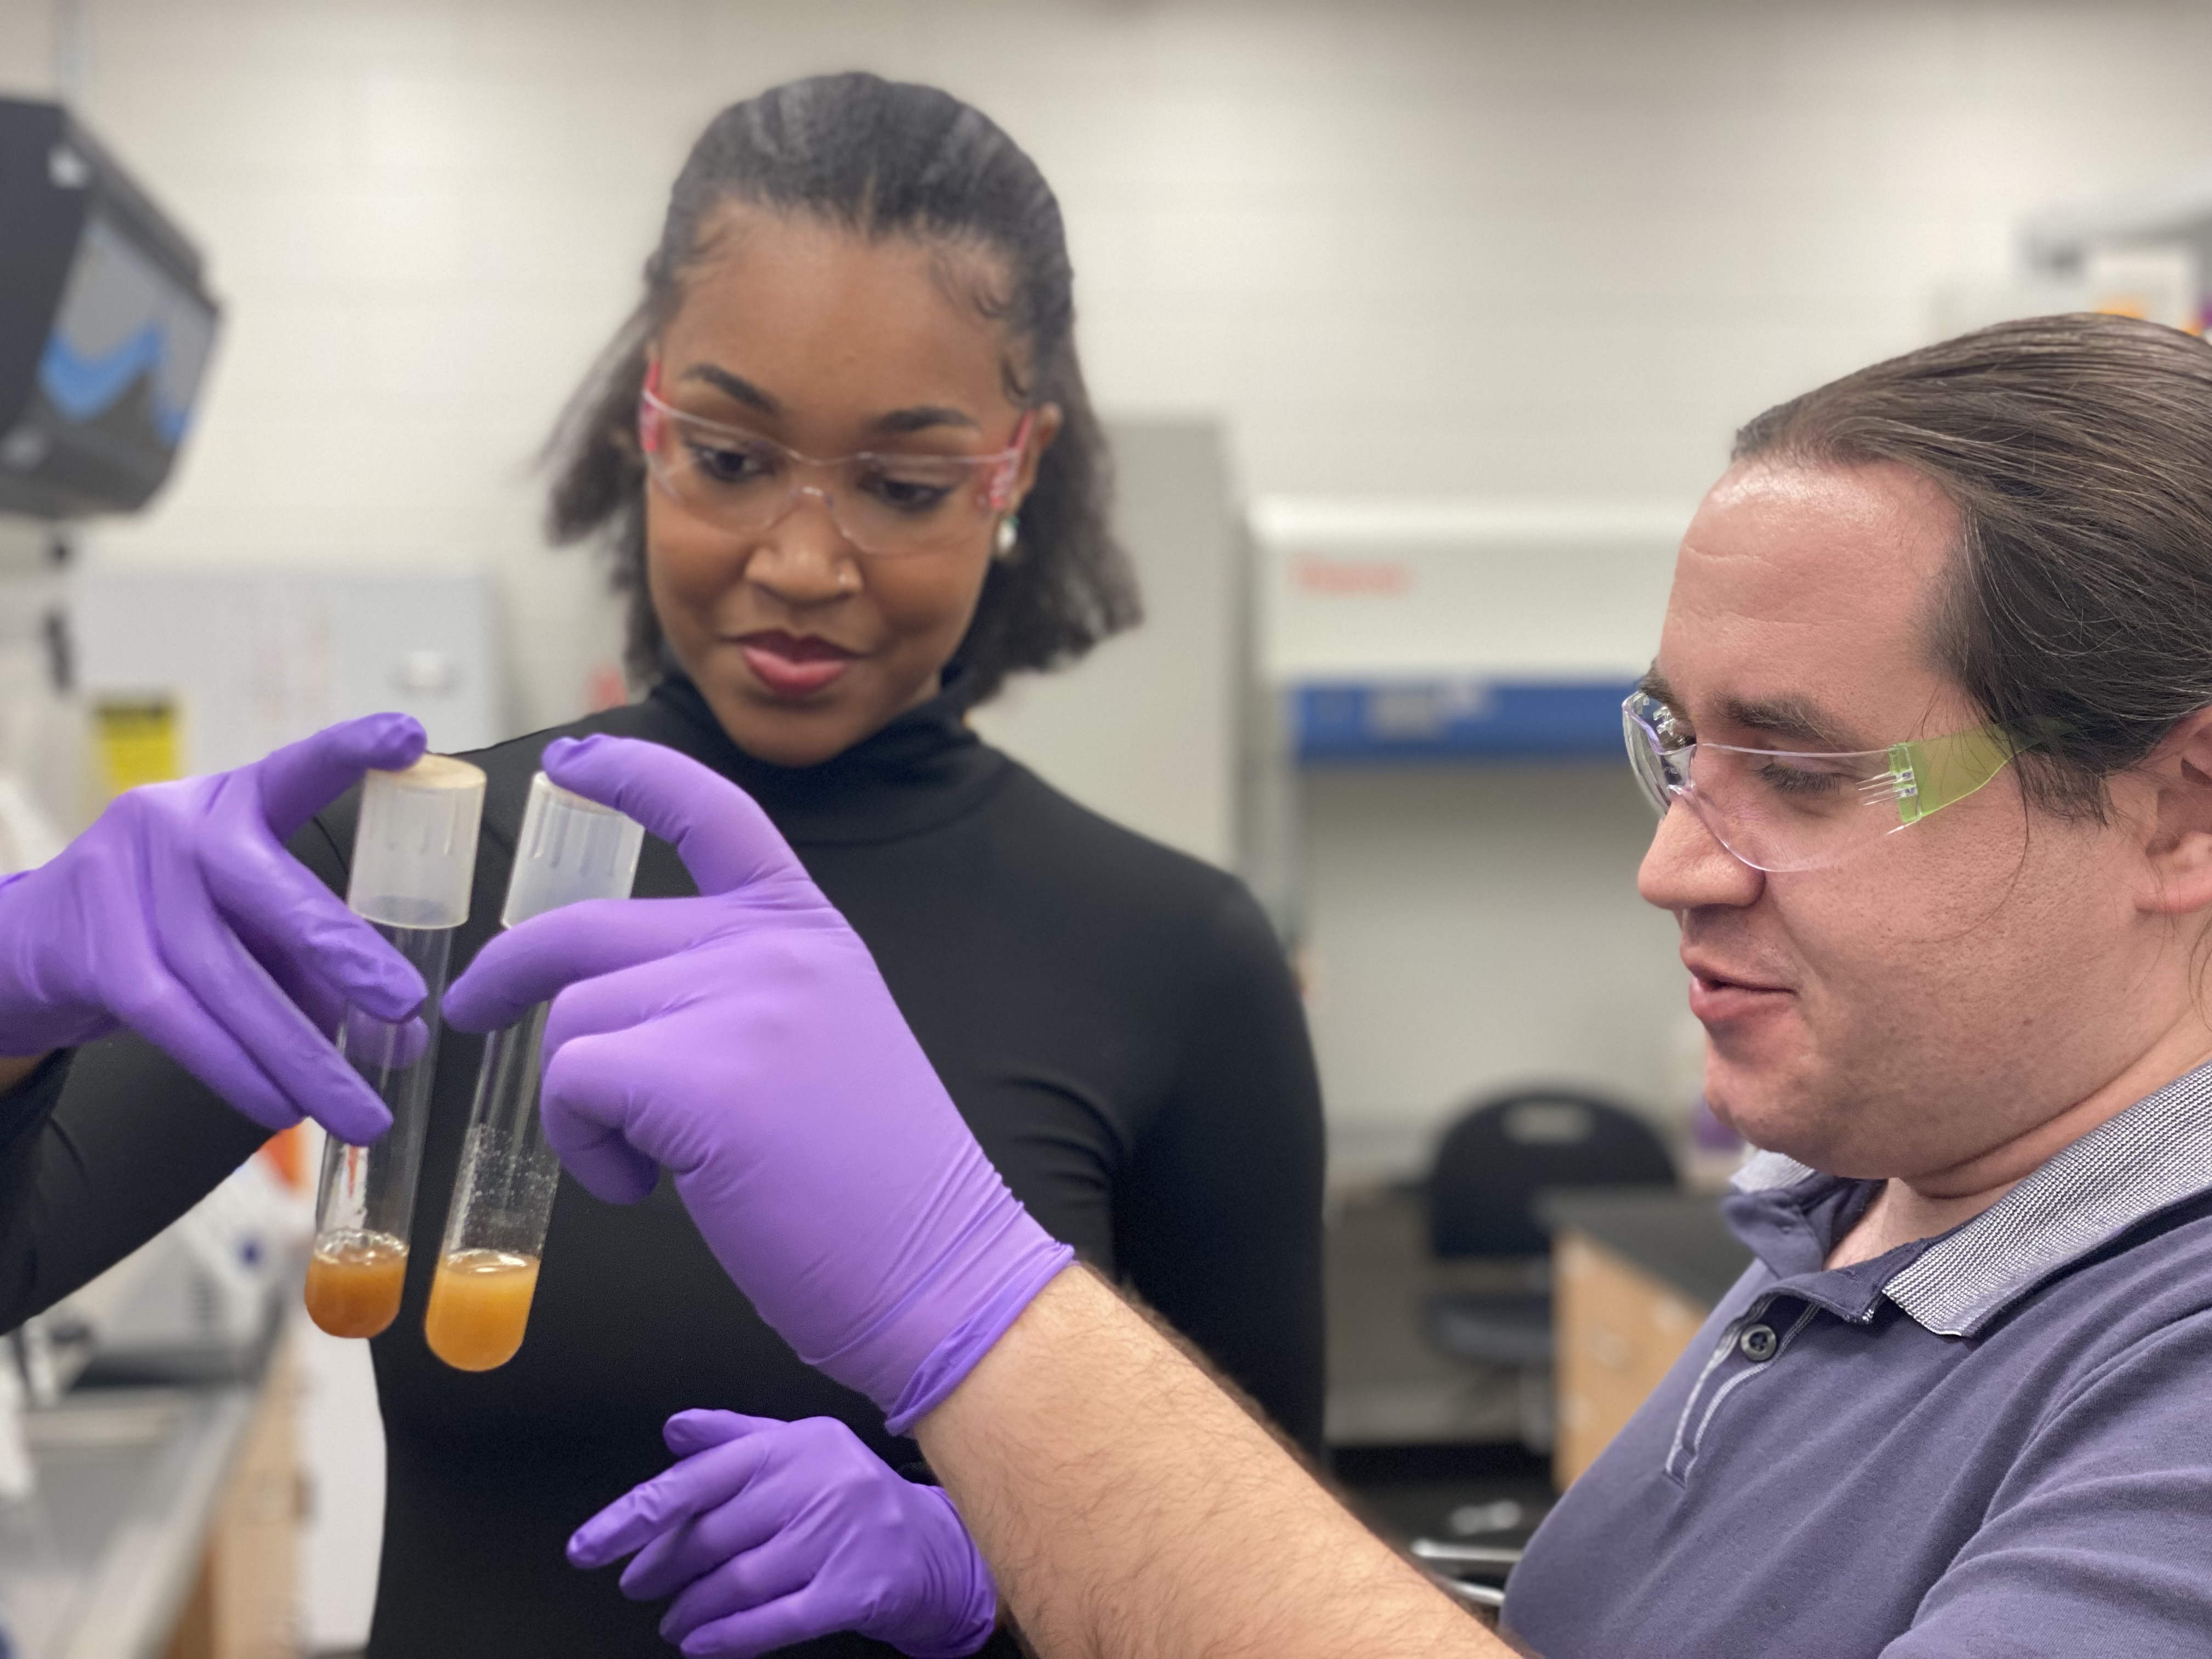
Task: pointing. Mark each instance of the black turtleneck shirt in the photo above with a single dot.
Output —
(1116, 1021)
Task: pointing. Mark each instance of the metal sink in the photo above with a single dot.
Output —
(99, 1563)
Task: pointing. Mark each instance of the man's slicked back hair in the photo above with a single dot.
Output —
(2077, 451)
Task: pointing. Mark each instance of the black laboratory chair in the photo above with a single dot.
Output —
(1489, 1169)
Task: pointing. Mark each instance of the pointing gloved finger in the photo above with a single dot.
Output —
(299, 780)
(323, 1003)
(781, 1623)
(673, 1496)
(530, 962)
(581, 1105)
(595, 1103)
(755, 1504)
(668, 1562)
(695, 1431)
(191, 987)
(721, 835)
(284, 912)
(623, 1003)
(389, 1045)
(223, 979)
(663, 1567)
(692, 1549)
(148, 998)
(621, 1000)
(781, 1566)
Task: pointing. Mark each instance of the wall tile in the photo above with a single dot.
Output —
(1554, 203)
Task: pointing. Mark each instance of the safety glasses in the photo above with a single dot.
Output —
(1778, 810)
(886, 504)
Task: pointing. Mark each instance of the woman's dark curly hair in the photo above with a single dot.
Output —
(882, 159)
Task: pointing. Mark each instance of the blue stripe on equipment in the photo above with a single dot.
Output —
(1351, 722)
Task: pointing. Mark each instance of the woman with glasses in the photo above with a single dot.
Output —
(845, 463)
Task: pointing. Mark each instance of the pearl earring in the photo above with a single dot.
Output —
(1007, 539)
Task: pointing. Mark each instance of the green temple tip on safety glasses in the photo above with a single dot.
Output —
(1784, 809)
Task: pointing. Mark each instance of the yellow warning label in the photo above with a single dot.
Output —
(139, 742)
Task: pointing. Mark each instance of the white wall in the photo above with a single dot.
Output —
(1145, 729)
(1470, 929)
(1527, 248)
(1535, 248)
(1524, 249)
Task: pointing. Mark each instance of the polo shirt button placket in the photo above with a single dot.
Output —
(1754, 1344)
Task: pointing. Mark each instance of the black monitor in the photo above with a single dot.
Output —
(104, 325)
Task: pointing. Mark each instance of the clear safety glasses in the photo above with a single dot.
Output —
(885, 504)
(1778, 810)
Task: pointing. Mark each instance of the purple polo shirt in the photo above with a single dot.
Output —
(1995, 1442)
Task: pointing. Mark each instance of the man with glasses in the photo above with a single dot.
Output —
(1928, 725)
(1930, 731)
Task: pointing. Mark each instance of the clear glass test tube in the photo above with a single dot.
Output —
(414, 862)
(570, 849)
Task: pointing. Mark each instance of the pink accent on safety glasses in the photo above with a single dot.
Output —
(883, 502)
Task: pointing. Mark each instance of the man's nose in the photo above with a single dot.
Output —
(803, 557)
(1687, 866)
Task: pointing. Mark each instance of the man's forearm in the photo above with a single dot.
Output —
(1127, 1507)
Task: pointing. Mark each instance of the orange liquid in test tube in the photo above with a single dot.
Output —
(480, 1306)
(354, 1285)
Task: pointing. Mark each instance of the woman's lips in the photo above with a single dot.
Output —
(792, 664)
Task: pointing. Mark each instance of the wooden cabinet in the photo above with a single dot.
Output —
(1617, 1331)
(245, 1603)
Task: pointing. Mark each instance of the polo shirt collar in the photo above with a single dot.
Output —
(2150, 1157)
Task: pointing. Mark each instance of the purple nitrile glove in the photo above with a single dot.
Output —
(180, 916)
(770, 1533)
(744, 1040)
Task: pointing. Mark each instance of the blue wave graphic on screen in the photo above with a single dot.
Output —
(83, 386)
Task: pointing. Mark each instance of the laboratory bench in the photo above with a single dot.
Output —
(1422, 1444)
(1428, 1443)
(164, 1523)
(1634, 1274)
(1387, 1386)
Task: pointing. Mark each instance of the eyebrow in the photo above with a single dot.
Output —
(1791, 719)
(919, 418)
(735, 386)
(1797, 720)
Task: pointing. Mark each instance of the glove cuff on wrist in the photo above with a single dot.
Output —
(975, 1603)
(973, 1260)
(963, 1346)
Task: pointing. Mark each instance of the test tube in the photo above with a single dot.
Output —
(570, 849)
(414, 861)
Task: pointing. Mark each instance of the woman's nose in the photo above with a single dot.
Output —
(1686, 866)
(803, 558)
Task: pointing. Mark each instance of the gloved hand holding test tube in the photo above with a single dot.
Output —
(414, 862)
(571, 849)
